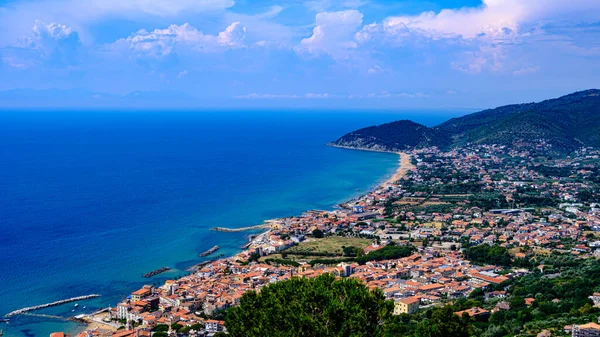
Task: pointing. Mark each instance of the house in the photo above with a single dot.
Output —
(586, 330)
(480, 315)
(213, 326)
(142, 293)
(406, 306)
(596, 299)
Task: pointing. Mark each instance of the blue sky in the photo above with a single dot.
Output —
(328, 53)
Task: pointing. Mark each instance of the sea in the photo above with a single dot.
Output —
(90, 200)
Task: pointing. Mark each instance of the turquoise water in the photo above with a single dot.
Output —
(89, 201)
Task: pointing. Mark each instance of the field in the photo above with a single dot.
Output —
(326, 248)
(330, 245)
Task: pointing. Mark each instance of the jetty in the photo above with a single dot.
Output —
(210, 251)
(200, 265)
(52, 304)
(156, 272)
(242, 229)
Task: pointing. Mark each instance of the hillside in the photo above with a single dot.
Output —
(566, 123)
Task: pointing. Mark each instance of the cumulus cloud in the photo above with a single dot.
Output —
(334, 33)
(52, 43)
(486, 34)
(163, 42)
(494, 18)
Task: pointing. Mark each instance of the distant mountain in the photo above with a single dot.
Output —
(567, 123)
(76, 98)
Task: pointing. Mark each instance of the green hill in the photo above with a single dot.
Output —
(566, 123)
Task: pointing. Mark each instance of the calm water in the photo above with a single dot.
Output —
(91, 200)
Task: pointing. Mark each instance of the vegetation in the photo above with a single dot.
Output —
(386, 253)
(486, 254)
(317, 233)
(566, 123)
(321, 306)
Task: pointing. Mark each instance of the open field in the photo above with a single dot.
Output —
(329, 248)
(329, 245)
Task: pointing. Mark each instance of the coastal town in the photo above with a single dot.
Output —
(451, 227)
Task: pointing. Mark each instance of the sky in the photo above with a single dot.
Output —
(295, 53)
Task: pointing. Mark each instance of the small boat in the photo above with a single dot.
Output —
(72, 310)
(84, 306)
(76, 305)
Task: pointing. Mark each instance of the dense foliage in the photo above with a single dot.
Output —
(486, 254)
(566, 123)
(435, 322)
(322, 306)
(386, 253)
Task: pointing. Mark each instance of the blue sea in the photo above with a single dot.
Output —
(91, 200)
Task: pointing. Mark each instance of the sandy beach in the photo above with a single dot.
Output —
(96, 322)
(405, 166)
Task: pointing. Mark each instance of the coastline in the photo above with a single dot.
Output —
(95, 321)
(406, 166)
(405, 162)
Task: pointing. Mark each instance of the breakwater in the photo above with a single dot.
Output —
(52, 304)
(156, 272)
(242, 229)
(210, 251)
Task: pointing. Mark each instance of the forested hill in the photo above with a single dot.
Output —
(566, 123)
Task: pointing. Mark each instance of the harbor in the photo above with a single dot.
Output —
(48, 305)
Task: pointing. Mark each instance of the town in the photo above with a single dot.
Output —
(459, 228)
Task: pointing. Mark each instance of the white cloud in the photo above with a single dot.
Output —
(51, 43)
(334, 33)
(163, 42)
(494, 18)
(182, 73)
(526, 71)
(376, 69)
(233, 36)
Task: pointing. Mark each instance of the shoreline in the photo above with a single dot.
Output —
(404, 166)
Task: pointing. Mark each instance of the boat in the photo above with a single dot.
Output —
(84, 306)
(76, 305)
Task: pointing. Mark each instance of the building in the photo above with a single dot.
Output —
(596, 299)
(406, 306)
(586, 330)
(358, 209)
(480, 315)
(212, 326)
(142, 293)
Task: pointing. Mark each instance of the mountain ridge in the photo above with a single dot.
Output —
(566, 123)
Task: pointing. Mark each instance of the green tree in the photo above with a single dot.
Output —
(443, 323)
(302, 307)
(161, 327)
(317, 233)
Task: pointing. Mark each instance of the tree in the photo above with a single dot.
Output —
(317, 233)
(443, 323)
(322, 306)
(161, 327)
